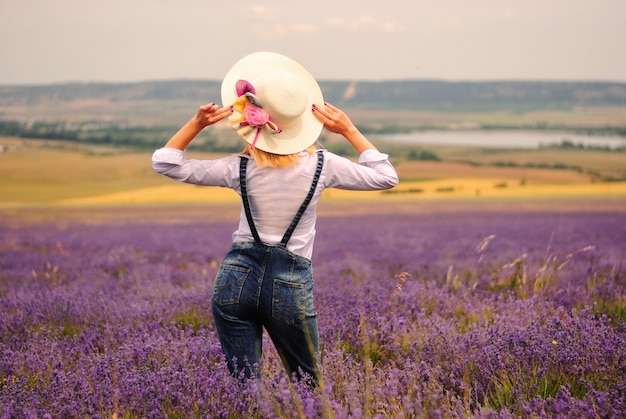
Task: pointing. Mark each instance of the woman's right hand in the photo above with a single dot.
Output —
(335, 120)
(211, 113)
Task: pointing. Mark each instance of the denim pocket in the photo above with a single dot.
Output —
(229, 284)
(292, 302)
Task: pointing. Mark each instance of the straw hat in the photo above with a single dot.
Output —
(272, 97)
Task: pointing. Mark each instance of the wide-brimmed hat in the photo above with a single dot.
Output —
(272, 97)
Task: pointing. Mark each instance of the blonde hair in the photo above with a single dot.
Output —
(267, 159)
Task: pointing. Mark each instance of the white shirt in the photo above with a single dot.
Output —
(275, 194)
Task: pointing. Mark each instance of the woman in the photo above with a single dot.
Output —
(265, 280)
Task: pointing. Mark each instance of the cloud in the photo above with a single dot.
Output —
(364, 22)
(262, 12)
(303, 27)
(450, 22)
(391, 26)
(335, 22)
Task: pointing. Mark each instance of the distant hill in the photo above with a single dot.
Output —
(370, 95)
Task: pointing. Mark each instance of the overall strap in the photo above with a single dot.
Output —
(243, 165)
(307, 200)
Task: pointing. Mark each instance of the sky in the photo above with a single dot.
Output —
(44, 41)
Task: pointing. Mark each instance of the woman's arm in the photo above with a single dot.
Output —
(171, 161)
(206, 115)
(335, 120)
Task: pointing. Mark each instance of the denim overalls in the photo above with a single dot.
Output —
(259, 286)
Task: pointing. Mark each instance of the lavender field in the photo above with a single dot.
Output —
(469, 314)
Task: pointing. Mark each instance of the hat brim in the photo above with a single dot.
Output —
(297, 136)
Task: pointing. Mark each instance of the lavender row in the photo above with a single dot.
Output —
(425, 315)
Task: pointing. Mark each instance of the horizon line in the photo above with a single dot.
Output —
(321, 80)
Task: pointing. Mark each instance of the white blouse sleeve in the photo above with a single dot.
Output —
(373, 172)
(219, 172)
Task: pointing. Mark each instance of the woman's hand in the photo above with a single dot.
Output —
(206, 115)
(335, 120)
(210, 114)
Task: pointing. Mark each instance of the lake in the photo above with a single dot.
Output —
(501, 139)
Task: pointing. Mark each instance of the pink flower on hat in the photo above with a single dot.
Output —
(252, 114)
(256, 117)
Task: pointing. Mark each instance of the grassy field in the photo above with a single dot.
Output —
(35, 173)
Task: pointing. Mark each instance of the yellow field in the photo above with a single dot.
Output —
(460, 188)
(33, 174)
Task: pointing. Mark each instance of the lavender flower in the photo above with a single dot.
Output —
(495, 315)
